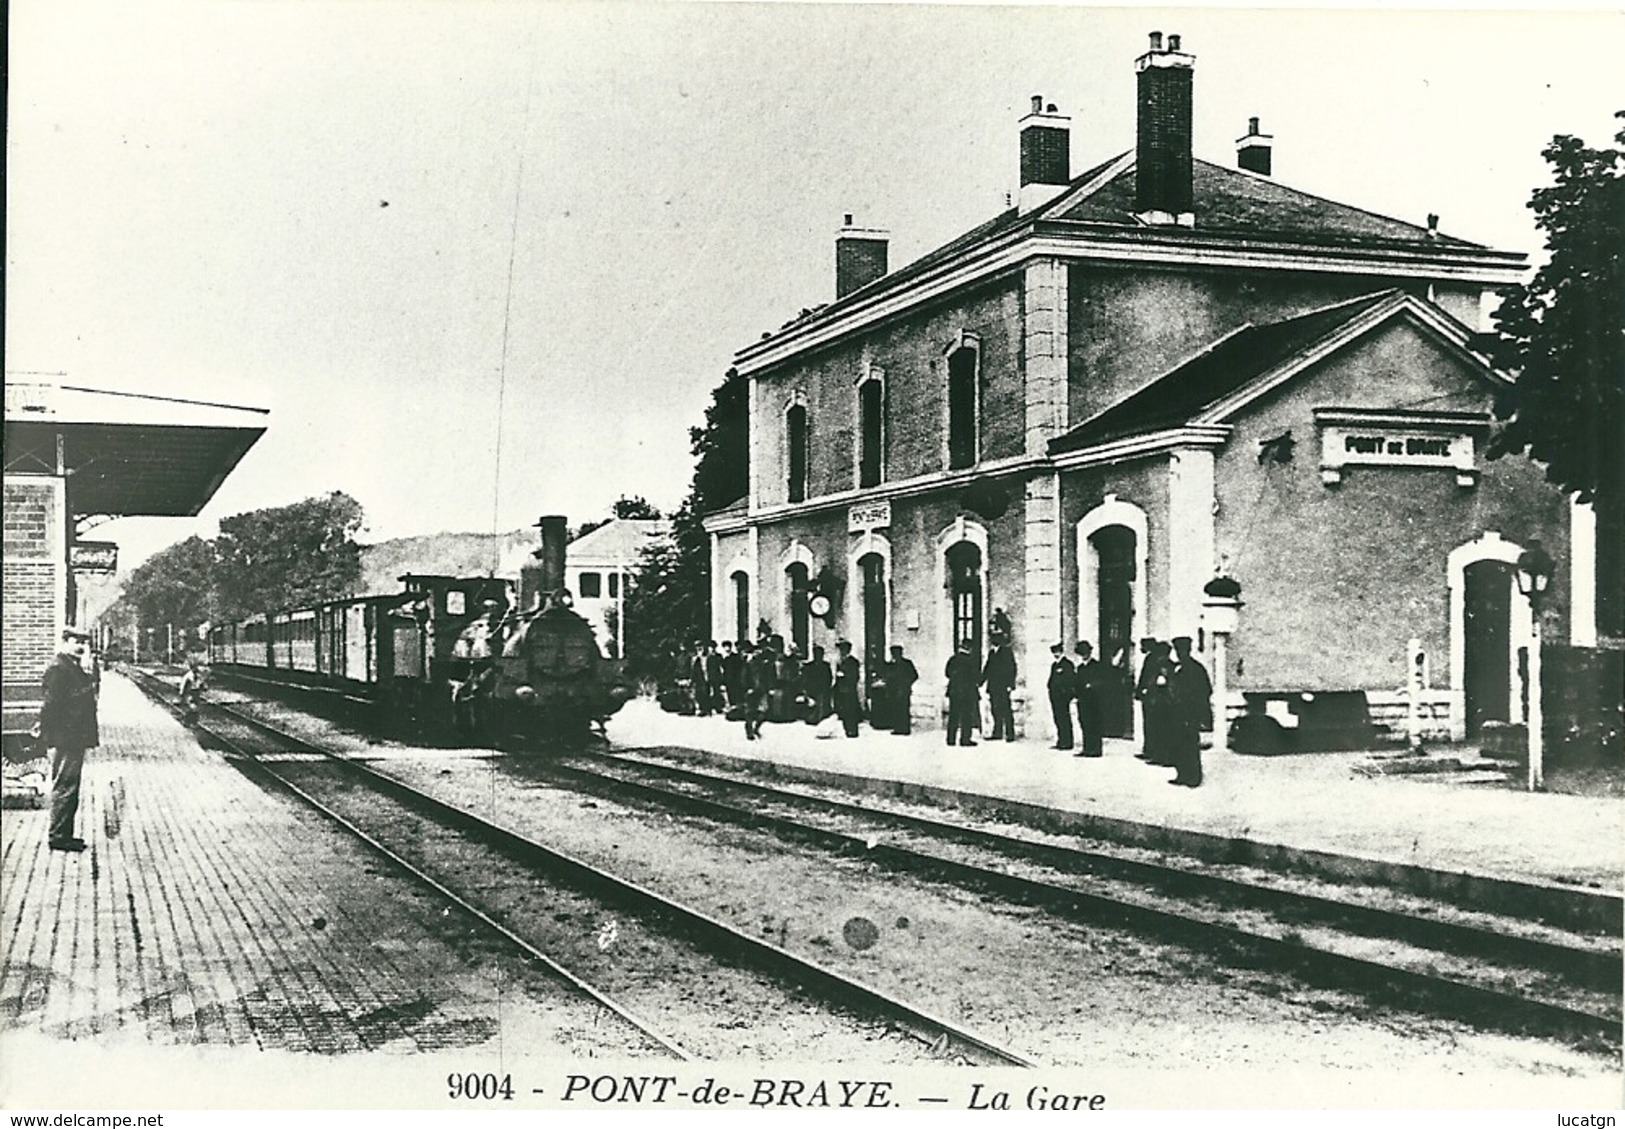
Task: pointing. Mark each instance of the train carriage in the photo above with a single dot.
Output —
(445, 657)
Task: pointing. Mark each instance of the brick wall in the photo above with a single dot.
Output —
(32, 566)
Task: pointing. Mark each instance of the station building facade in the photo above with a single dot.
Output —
(1136, 379)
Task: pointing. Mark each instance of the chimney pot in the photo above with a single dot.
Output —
(1433, 226)
(860, 258)
(1050, 109)
(1038, 103)
(1253, 151)
(1173, 43)
(1163, 188)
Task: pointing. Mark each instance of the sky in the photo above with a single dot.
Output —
(486, 260)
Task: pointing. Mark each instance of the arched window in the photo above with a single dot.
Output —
(798, 584)
(741, 606)
(964, 561)
(871, 431)
(796, 427)
(963, 439)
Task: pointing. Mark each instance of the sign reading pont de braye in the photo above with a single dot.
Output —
(868, 515)
(1353, 438)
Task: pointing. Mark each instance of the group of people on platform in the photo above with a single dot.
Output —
(768, 680)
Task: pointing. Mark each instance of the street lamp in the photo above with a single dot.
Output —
(1534, 576)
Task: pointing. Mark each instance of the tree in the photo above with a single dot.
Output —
(1563, 336)
(669, 606)
(288, 555)
(174, 587)
(635, 507)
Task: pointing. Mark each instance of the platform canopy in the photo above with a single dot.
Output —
(127, 454)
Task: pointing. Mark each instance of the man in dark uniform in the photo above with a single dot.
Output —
(753, 692)
(817, 680)
(1155, 693)
(1061, 677)
(1087, 682)
(696, 680)
(999, 673)
(1190, 712)
(733, 673)
(901, 676)
(964, 694)
(847, 706)
(713, 679)
(67, 723)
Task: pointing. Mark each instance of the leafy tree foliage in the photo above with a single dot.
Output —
(175, 586)
(1563, 335)
(669, 606)
(288, 555)
(626, 508)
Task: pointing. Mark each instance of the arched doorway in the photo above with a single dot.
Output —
(741, 606)
(1115, 549)
(964, 561)
(872, 568)
(1488, 680)
(798, 583)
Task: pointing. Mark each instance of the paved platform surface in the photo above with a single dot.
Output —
(207, 910)
(1313, 802)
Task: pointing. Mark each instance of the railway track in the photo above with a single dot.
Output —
(544, 901)
(1494, 973)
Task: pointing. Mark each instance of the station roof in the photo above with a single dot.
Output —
(127, 454)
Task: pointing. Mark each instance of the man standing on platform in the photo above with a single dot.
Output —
(67, 722)
(1087, 684)
(713, 679)
(1000, 675)
(1061, 676)
(901, 676)
(964, 694)
(817, 680)
(1154, 690)
(1191, 712)
(847, 705)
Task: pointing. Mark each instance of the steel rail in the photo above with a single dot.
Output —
(713, 934)
(1594, 968)
(1419, 990)
(256, 761)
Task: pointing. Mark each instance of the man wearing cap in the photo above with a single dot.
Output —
(1089, 676)
(1061, 675)
(964, 694)
(901, 675)
(999, 674)
(67, 723)
(847, 704)
(1191, 713)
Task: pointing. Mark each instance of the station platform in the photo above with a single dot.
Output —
(1316, 811)
(210, 913)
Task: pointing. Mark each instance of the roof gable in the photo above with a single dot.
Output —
(1248, 364)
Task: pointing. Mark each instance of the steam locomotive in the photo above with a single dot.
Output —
(465, 660)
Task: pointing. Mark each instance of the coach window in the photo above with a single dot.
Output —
(963, 439)
(591, 586)
(871, 431)
(796, 426)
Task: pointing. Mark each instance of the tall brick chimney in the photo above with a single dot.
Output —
(1046, 155)
(1253, 151)
(1162, 189)
(860, 257)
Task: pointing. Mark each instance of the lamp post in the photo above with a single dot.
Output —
(1221, 611)
(1534, 575)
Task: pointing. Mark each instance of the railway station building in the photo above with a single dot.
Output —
(74, 459)
(1136, 379)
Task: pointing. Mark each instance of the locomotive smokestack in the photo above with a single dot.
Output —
(555, 535)
(544, 572)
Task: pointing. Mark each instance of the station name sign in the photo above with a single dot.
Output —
(868, 515)
(1359, 443)
(93, 556)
